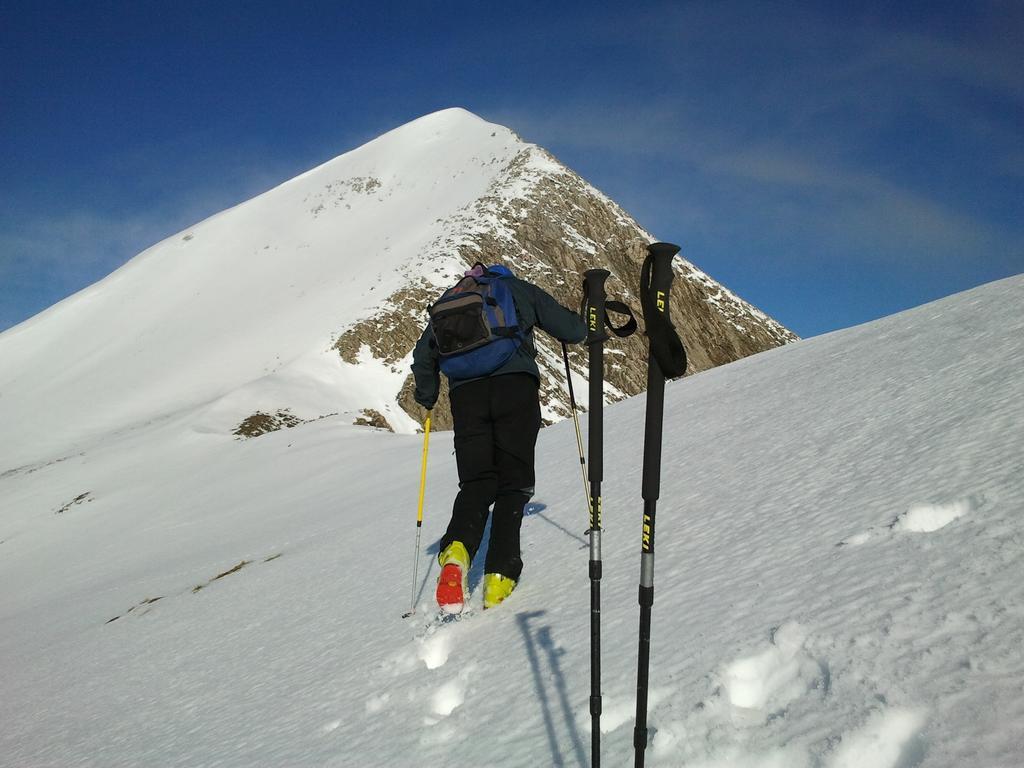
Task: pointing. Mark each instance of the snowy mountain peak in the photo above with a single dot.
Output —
(451, 120)
(424, 149)
(305, 300)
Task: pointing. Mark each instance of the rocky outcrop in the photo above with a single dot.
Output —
(261, 423)
(549, 226)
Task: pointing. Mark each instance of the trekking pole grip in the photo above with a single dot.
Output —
(594, 301)
(662, 274)
(595, 296)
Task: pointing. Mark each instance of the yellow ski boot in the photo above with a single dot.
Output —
(451, 582)
(497, 588)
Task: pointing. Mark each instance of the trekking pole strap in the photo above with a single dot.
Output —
(626, 329)
(623, 331)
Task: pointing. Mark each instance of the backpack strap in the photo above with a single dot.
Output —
(502, 331)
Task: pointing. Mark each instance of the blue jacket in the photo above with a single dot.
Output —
(535, 308)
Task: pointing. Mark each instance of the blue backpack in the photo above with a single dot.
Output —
(475, 324)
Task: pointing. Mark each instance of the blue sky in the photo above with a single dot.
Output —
(830, 164)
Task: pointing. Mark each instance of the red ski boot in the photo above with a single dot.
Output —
(451, 583)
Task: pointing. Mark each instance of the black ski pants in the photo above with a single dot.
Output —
(496, 424)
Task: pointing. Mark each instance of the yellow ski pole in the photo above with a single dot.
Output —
(419, 517)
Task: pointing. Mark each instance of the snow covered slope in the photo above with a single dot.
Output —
(839, 579)
(247, 298)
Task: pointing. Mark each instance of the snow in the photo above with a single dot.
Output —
(772, 678)
(926, 518)
(886, 740)
(838, 580)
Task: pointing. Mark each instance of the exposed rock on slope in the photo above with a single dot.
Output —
(549, 226)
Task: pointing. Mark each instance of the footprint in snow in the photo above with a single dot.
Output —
(746, 698)
(430, 648)
(889, 739)
(448, 697)
(926, 518)
(434, 649)
(919, 518)
(452, 694)
(761, 686)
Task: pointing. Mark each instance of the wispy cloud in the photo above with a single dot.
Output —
(837, 133)
(866, 206)
(44, 260)
(47, 257)
(788, 186)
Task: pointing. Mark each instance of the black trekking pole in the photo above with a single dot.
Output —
(593, 286)
(666, 358)
(596, 306)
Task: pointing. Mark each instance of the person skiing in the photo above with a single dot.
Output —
(496, 416)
